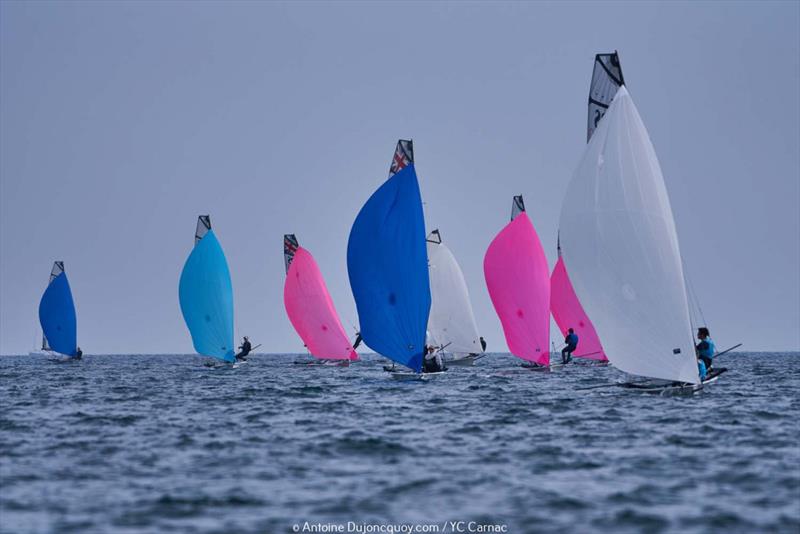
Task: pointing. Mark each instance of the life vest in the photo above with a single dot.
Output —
(706, 348)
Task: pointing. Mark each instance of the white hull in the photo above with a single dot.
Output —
(462, 362)
(672, 388)
(46, 353)
(410, 375)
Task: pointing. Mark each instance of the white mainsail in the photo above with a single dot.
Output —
(620, 247)
(451, 323)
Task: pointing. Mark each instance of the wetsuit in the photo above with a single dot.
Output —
(245, 350)
(572, 343)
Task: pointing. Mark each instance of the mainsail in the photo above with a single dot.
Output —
(621, 250)
(388, 265)
(606, 79)
(518, 280)
(206, 295)
(568, 313)
(310, 307)
(452, 323)
(57, 314)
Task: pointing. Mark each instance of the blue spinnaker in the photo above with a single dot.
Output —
(206, 297)
(387, 262)
(57, 316)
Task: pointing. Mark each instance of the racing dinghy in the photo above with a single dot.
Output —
(518, 279)
(452, 323)
(57, 317)
(206, 295)
(387, 264)
(620, 247)
(564, 304)
(310, 307)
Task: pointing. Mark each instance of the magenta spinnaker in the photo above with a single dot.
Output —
(518, 279)
(311, 311)
(568, 313)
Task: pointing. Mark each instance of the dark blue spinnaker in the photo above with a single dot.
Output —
(57, 314)
(206, 296)
(387, 263)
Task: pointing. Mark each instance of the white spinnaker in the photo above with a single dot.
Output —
(451, 322)
(620, 247)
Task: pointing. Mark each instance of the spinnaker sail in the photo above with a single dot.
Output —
(57, 314)
(310, 307)
(206, 295)
(452, 322)
(620, 247)
(568, 313)
(518, 279)
(606, 80)
(387, 265)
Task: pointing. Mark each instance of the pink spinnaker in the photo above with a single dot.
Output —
(311, 311)
(518, 280)
(568, 313)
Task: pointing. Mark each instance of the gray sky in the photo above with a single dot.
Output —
(121, 122)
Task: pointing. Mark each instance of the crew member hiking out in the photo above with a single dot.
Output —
(244, 349)
(572, 343)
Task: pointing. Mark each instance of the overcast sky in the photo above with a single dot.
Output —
(121, 122)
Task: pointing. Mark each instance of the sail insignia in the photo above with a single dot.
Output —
(290, 246)
(517, 207)
(203, 226)
(403, 156)
(606, 80)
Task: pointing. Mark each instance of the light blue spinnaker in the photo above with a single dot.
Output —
(206, 295)
(387, 262)
(57, 313)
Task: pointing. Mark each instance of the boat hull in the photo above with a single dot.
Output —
(466, 361)
(407, 376)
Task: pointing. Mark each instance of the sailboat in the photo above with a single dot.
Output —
(564, 304)
(206, 295)
(57, 315)
(452, 323)
(518, 279)
(387, 264)
(310, 307)
(568, 313)
(620, 246)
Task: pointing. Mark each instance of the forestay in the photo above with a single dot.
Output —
(620, 248)
(206, 295)
(310, 307)
(452, 322)
(518, 280)
(57, 313)
(388, 265)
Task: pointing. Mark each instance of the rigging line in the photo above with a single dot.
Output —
(693, 294)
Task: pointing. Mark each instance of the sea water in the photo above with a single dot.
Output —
(161, 443)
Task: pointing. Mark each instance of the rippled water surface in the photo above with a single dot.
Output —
(162, 443)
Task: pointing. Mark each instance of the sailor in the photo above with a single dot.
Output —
(433, 361)
(78, 353)
(244, 349)
(358, 340)
(572, 343)
(706, 348)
